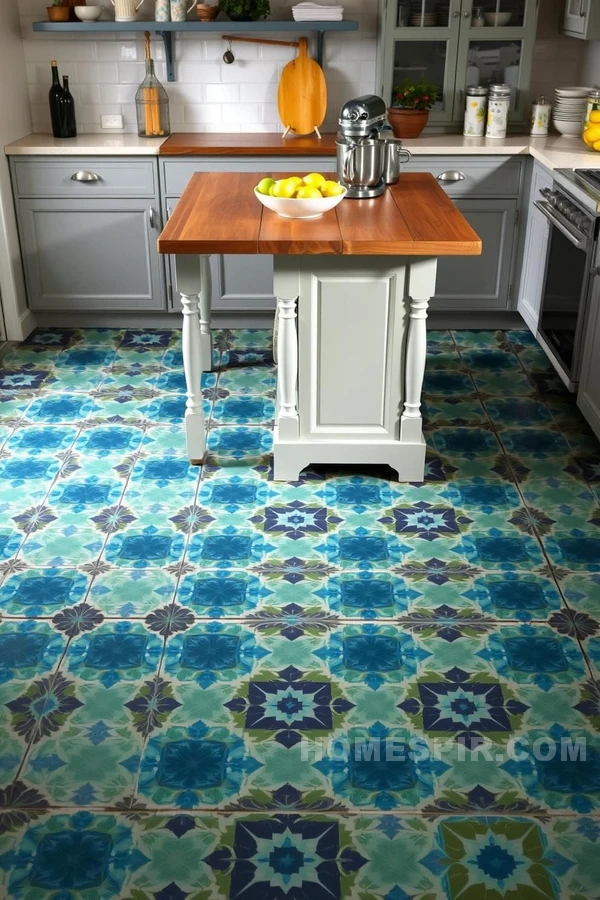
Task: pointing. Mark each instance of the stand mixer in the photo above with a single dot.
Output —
(360, 149)
(365, 160)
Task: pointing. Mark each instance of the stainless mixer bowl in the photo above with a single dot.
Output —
(361, 163)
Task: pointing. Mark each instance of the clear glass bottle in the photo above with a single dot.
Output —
(152, 102)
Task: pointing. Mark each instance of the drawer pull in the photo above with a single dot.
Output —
(151, 217)
(451, 176)
(85, 176)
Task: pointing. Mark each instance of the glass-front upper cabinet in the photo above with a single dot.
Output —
(453, 44)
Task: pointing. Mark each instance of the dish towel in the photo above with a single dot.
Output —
(317, 12)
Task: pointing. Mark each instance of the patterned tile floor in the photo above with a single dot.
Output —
(216, 686)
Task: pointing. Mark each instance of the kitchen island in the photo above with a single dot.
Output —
(352, 289)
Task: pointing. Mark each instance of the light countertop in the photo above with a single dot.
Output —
(555, 152)
(85, 145)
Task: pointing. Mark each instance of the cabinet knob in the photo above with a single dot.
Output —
(451, 177)
(85, 175)
(467, 14)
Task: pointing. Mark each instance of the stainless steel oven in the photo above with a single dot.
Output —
(571, 263)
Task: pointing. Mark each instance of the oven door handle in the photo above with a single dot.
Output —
(577, 239)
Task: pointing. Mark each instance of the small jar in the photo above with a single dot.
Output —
(498, 107)
(591, 123)
(540, 117)
(476, 104)
(478, 18)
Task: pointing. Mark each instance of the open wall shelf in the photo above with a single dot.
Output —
(167, 29)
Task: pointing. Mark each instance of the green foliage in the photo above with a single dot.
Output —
(415, 95)
(246, 9)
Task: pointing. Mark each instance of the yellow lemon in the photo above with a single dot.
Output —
(332, 189)
(296, 180)
(596, 145)
(309, 193)
(284, 188)
(593, 133)
(313, 179)
(595, 116)
(586, 141)
(272, 190)
(265, 185)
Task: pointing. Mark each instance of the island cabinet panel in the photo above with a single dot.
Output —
(588, 396)
(480, 282)
(472, 176)
(535, 251)
(99, 256)
(347, 330)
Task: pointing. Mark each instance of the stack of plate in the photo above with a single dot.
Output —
(316, 12)
(420, 16)
(568, 112)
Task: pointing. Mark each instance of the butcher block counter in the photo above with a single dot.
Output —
(352, 288)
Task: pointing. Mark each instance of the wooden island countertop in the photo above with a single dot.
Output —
(218, 213)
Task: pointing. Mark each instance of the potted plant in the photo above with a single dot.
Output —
(412, 101)
(245, 10)
(57, 12)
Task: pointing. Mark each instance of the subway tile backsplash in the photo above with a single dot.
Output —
(106, 69)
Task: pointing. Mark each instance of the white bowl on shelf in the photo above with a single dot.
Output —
(290, 208)
(88, 13)
(497, 19)
(568, 127)
(575, 93)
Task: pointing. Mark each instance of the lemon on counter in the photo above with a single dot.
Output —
(332, 189)
(595, 116)
(314, 179)
(592, 134)
(309, 193)
(264, 186)
(285, 187)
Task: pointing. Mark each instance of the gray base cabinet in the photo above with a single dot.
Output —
(588, 396)
(480, 282)
(90, 256)
(88, 229)
(534, 252)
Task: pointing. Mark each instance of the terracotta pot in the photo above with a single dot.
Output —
(407, 123)
(58, 13)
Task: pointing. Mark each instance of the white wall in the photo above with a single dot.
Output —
(211, 96)
(15, 122)
(590, 70)
(208, 95)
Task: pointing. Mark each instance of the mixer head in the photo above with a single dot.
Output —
(363, 116)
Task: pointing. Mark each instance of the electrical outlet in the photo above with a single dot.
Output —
(111, 121)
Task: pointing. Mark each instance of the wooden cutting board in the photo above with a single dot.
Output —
(302, 93)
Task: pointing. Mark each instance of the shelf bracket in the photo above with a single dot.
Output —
(320, 47)
(167, 37)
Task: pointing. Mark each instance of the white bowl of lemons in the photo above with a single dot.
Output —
(300, 198)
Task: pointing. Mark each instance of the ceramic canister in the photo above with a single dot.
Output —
(162, 11)
(498, 107)
(475, 111)
(179, 10)
(540, 117)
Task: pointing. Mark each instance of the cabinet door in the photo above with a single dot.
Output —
(419, 41)
(588, 396)
(489, 54)
(576, 16)
(480, 282)
(91, 255)
(534, 253)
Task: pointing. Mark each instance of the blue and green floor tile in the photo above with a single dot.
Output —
(217, 686)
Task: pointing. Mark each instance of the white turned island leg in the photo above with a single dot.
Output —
(189, 285)
(422, 277)
(205, 314)
(287, 461)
